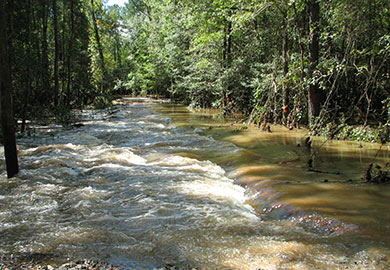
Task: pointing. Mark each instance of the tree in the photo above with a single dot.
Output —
(70, 53)
(6, 104)
(56, 54)
(98, 44)
(285, 62)
(313, 92)
(285, 49)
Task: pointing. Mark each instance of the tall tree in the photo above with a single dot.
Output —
(285, 86)
(287, 62)
(313, 91)
(56, 54)
(45, 75)
(98, 40)
(6, 104)
(28, 66)
(70, 53)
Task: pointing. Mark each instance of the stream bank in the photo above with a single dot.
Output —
(136, 188)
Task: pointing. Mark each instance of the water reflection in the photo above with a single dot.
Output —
(138, 188)
(274, 167)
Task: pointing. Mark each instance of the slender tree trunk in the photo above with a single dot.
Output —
(118, 51)
(45, 55)
(56, 54)
(314, 99)
(27, 90)
(285, 86)
(63, 56)
(10, 20)
(224, 52)
(70, 52)
(229, 45)
(97, 38)
(226, 57)
(6, 104)
(300, 34)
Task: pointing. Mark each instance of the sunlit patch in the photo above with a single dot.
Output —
(271, 254)
(127, 187)
(125, 158)
(215, 190)
(85, 139)
(251, 179)
(256, 169)
(41, 149)
(106, 155)
(89, 192)
(324, 226)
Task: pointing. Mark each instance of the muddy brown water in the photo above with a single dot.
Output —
(146, 183)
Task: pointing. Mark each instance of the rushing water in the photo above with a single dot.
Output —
(141, 185)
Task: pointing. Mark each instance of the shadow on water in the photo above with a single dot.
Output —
(131, 189)
(278, 161)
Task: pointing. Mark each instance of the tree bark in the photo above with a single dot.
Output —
(56, 54)
(314, 100)
(45, 51)
(226, 58)
(70, 52)
(118, 51)
(97, 38)
(27, 91)
(285, 86)
(6, 104)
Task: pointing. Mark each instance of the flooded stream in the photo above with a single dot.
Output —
(144, 184)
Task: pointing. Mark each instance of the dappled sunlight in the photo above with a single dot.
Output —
(143, 193)
(251, 174)
(256, 170)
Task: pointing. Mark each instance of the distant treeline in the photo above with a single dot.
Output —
(321, 63)
(64, 54)
(324, 64)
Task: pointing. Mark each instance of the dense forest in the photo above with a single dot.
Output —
(324, 64)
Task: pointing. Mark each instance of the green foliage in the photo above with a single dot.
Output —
(102, 102)
(64, 116)
(253, 56)
(83, 77)
(241, 55)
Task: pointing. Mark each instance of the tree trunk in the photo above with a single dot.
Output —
(226, 58)
(229, 45)
(285, 86)
(313, 91)
(27, 90)
(97, 38)
(118, 51)
(56, 54)
(45, 55)
(6, 104)
(70, 52)
(63, 56)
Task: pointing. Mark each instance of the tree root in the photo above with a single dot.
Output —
(376, 175)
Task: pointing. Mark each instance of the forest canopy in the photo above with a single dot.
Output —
(324, 64)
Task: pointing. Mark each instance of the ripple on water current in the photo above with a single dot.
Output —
(117, 188)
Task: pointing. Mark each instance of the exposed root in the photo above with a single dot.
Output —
(376, 174)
